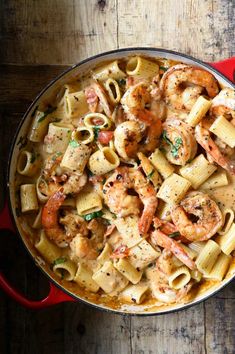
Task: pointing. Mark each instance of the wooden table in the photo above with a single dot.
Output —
(39, 40)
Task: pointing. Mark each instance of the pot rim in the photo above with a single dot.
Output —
(11, 155)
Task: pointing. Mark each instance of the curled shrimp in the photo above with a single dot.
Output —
(50, 222)
(121, 203)
(203, 138)
(224, 104)
(172, 245)
(177, 78)
(179, 141)
(159, 280)
(127, 135)
(95, 95)
(134, 104)
(204, 209)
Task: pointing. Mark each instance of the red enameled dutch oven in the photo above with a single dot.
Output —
(224, 71)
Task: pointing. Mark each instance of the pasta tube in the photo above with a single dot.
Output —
(28, 163)
(228, 216)
(135, 293)
(76, 104)
(198, 111)
(227, 241)
(84, 135)
(37, 224)
(97, 120)
(173, 189)
(221, 267)
(127, 269)
(196, 275)
(109, 279)
(113, 90)
(28, 198)
(217, 179)
(207, 257)
(83, 277)
(41, 184)
(224, 130)
(150, 172)
(141, 67)
(49, 251)
(105, 254)
(76, 157)
(65, 269)
(88, 202)
(107, 71)
(164, 211)
(160, 162)
(179, 278)
(103, 161)
(39, 126)
(142, 255)
(197, 171)
(57, 138)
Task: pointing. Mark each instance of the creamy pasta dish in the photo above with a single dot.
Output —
(126, 181)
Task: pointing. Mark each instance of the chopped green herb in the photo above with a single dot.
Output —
(56, 155)
(104, 180)
(45, 114)
(150, 174)
(22, 142)
(90, 174)
(59, 261)
(74, 143)
(174, 147)
(174, 234)
(96, 132)
(121, 82)
(163, 68)
(96, 214)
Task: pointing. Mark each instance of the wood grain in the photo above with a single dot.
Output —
(40, 38)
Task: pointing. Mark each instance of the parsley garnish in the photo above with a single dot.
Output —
(174, 147)
(121, 82)
(163, 68)
(174, 234)
(44, 114)
(96, 132)
(74, 143)
(56, 155)
(22, 142)
(59, 261)
(150, 174)
(96, 214)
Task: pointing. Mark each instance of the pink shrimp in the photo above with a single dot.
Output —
(204, 139)
(170, 244)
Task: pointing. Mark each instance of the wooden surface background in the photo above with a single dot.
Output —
(39, 38)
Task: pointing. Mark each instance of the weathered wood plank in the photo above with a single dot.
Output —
(95, 332)
(204, 30)
(56, 31)
(181, 332)
(220, 328)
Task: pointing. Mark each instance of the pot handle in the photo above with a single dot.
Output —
(55, 295)
(226, 67)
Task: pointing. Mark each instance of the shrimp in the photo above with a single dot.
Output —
(81, 248)
(121, 203)
(50, 222)
(127, 135)
(95, 95)
(159, 284)
(224, 104)
(204, 139)
(177, 78)
(170, 244)
(204, 209)
(134, 102)
(178, 141)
